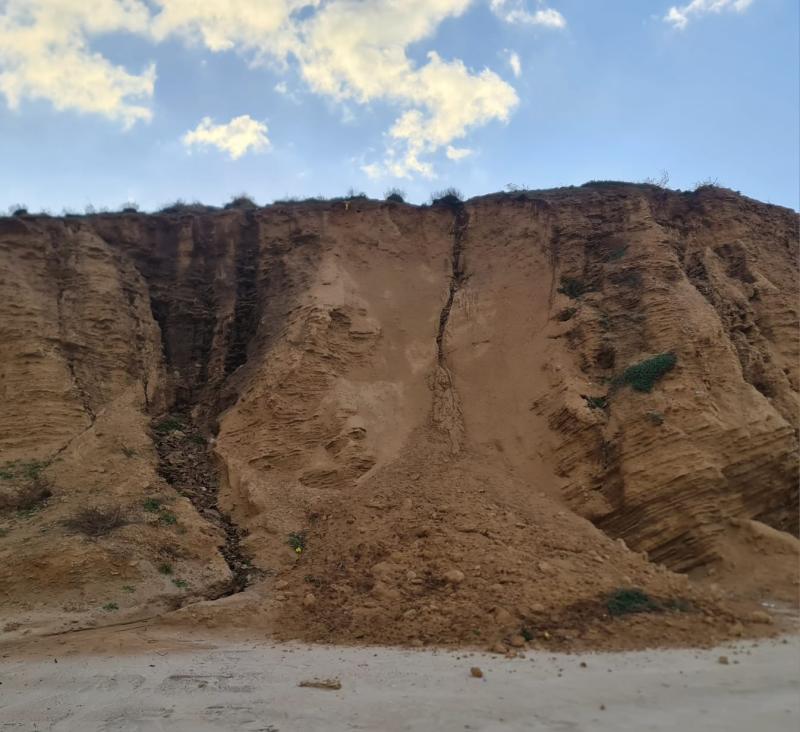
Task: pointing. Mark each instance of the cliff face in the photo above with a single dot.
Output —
(403, 392)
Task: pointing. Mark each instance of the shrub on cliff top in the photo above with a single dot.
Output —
(395, 195)
(643, 375)
(447, 197)
(241, 201)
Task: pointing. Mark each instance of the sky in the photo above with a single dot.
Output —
(105, 102)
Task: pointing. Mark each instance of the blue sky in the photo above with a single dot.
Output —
(104, 101)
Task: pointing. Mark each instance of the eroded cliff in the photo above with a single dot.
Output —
(402, 423)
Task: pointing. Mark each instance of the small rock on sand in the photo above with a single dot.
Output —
(331, 684)
(476, 673)
(723, 660)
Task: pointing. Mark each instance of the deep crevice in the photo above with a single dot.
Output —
(186, 464)
(460, 225)
(245, 310)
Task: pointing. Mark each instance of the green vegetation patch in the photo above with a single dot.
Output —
(23, 469)
(630, 600)
(167, 517)
(596, 402)
(153, 505)
(643, 375)
(297, 540)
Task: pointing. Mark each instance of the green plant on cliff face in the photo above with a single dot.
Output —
(152, 505)
(23, 470)
(29, 488)
(297, 540)
(629, 600)
(643, 375)
(596, 402)
(167, 517)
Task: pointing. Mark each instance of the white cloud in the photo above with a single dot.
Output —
(261, 26)
(373, 170)
(357, 50)
(354, 52)
(679, 16)
(458, 153)
(45, 54)
(240, 135)
(516, 11)
(515, 63)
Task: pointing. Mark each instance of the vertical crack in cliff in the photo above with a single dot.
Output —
(184, 461)
(460, 224)
(68, 348)
(245, 311)
(446, 407)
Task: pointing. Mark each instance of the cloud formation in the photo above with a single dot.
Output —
(679, 16)
(515, 64)
(45, 54)
(352, 51)
(241, 135)
(457, 153)
(516, 11)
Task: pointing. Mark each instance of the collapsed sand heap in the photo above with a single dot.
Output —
(427, 424)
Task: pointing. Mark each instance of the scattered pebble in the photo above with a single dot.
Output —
(476, 673)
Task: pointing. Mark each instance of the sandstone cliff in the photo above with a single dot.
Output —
(437, 406)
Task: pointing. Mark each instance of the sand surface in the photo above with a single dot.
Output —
(256, 687)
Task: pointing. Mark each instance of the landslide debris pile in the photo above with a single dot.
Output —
(470, 422)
